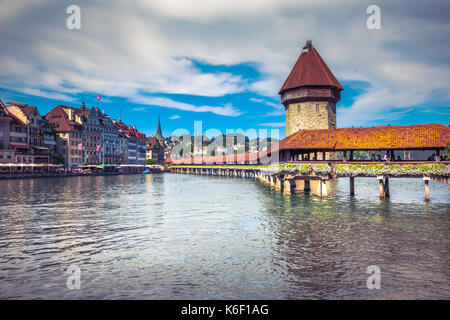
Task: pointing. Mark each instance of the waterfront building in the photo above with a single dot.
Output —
(18, 140)
(123, 147)
(111, 141)
(6, 152)
(141, 150)
(136, 143)
(30, 116)
(155, 151)
(69, 134)
(93, 131)
(156, 146)
(50, 141)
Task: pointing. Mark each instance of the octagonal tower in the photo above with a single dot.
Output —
(310, 93)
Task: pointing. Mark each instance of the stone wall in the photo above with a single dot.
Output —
(310, 115)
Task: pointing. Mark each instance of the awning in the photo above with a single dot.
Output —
(17, 146)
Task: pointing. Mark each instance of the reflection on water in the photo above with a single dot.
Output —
(172, 236)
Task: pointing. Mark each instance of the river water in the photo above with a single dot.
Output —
(174, 236)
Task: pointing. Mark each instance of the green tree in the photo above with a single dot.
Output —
(57, 158)
(150, 161)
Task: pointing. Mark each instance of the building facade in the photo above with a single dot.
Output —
(35, 131)
(111, 141)
(123, 147)
(155, 151)
(69, 134)
(136, 143)
(92, 135)
(50, 142)
(7, 154)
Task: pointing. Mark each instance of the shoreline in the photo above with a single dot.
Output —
(72, 174)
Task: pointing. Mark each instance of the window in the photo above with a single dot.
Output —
(317, 107)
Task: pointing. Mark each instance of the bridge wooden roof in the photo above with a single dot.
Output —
(420, 136)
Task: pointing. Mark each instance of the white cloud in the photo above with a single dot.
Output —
(226, 110)
(133, 50)
(174, 117)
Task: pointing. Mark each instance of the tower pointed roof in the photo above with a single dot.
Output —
(159, 135)
(310, 70)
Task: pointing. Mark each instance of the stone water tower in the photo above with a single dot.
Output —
(310, 93)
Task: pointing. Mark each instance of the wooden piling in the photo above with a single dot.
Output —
(427, 188)
(381, 184)
(352, 186)
(386, 188)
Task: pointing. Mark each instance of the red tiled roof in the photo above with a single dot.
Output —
(420, 136)
(151, 142)
(310, 70)
(58, 117)
(28, 109)
(221, 159)
(129, 130)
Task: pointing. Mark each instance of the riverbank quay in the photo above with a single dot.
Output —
(20, 171)
(317, 177)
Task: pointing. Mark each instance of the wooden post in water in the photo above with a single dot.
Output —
(380, 181)
(386, 188)
(352, 186)
(427, 188)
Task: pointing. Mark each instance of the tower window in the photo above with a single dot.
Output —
(317, 107)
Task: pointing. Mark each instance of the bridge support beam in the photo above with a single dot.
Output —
(272, 181)
(302, 186)
(278, 184)
(319, 188)
(381, 187)
(427, 188)
(287, 187)
(384, 187)
(352, 186)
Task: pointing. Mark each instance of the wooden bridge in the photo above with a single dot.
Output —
(315, 177)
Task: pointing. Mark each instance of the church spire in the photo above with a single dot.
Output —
(159, 135)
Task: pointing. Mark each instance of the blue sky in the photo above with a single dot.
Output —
(224, 62)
